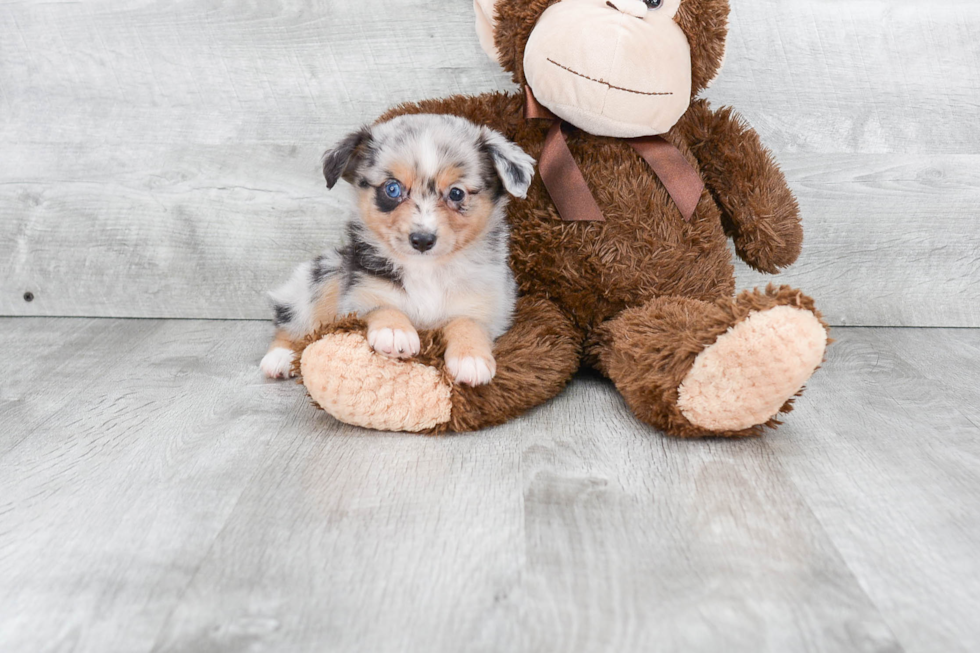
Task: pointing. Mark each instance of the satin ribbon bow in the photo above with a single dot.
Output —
(567, 187)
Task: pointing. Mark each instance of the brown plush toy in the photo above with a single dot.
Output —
(619, 249)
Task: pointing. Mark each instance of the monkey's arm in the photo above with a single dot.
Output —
(501, 111)
(759, 212)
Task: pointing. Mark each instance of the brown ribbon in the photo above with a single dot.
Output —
(567, 187)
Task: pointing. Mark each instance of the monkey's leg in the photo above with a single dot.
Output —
(692, 368)
(535, 359)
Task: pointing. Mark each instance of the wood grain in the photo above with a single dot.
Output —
(889, 239)
(39, 365)
(641, 543)
(118, 468)
(574, 530)
(160, 160)
(157, 495)
(886, 452)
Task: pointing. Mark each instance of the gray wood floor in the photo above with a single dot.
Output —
(157, 495)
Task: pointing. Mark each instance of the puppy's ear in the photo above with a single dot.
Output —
(342, 160)
(514, 166)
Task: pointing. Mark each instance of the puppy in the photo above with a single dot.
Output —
(428, 249)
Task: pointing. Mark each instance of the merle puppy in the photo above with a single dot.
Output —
(427, 250)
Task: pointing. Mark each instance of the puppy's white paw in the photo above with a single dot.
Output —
(397, 343)
(471, 370)
(278, 363)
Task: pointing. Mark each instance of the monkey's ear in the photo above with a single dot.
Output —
(342, 160)
(514, 166)
(486, 24)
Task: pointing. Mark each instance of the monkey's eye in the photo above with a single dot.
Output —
(653, 4)
(456, 195)
(393, 189)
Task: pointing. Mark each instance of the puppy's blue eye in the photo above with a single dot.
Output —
(393, 190)
(456, 195)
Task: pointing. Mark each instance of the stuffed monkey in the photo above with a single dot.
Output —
(620, 248)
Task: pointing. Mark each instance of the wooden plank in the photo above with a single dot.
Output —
(885, 449)
(868, 77)
(137, 73)
(177, 235)
(109, 500)
(160, 161)
(163, 242)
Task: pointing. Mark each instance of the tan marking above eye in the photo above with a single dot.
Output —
(403, 174)
(448, 178)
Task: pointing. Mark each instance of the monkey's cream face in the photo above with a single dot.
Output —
(618, 68)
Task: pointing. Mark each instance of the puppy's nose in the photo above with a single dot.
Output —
(422, 241)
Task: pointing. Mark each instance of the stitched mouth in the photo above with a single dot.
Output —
(603, 82)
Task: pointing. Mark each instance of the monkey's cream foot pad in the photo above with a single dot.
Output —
(747, 376)
(358, 386)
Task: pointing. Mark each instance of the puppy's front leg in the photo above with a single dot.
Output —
(469, 352)
(391, 333)
(278, 362)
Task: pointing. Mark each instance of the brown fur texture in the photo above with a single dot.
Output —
(640, 295)
(648, 350)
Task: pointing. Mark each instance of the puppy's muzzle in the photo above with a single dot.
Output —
(422, 241)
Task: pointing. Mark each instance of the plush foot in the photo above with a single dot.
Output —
(278, 363)
(726, 368)
(746, 377)
(533, 361)
(357, 386)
